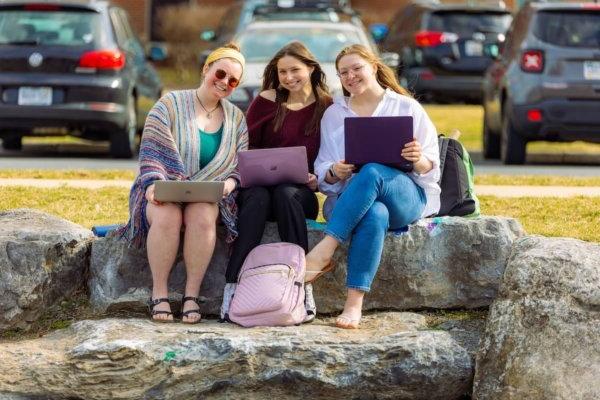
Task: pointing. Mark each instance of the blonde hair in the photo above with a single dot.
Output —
(384, 74)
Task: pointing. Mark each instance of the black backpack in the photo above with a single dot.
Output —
(456, 180)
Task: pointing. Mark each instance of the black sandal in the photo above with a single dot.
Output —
(153, 303)
(194, 311)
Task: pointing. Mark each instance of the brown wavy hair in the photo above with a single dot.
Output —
(317, 81)
(384, 74)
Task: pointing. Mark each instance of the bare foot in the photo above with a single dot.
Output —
(190, 313)
(349, 319)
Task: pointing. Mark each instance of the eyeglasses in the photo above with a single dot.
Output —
(231, 82)
(355, 71)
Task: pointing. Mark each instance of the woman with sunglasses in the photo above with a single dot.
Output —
(363, 206)
(286, 113)
(189, 135)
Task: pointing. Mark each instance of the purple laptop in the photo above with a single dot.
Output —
(379, 140)
(268, 167)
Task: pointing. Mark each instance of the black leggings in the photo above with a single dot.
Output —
(287, 204)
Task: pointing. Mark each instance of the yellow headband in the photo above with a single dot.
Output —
(225, 52)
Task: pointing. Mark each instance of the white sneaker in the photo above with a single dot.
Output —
(228, 292)
(309, 303)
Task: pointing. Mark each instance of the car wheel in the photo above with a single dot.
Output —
(12, 143)
(122, 141)
(491, 141)
(512, 145)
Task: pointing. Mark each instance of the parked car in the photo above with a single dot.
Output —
(262, 39)
(445, 48)
(546, 83)
(74, 67)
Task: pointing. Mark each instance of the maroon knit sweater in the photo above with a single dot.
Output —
(260, 118)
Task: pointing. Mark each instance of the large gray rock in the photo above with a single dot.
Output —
(392, 356)
(439, 263)
(542, 339)
(43, 259)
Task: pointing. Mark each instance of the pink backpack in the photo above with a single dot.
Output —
(270, 288)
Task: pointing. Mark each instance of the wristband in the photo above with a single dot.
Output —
(332, 173)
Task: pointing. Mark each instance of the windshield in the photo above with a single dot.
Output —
(570, 29)
(59, 28)
(465, 24)
(259, 45)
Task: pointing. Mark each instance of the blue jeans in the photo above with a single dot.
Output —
(376, 199)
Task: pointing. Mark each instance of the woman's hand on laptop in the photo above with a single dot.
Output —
(150, 195)
(312, 182)
(342, 170)
(412, 152)
(229, 186)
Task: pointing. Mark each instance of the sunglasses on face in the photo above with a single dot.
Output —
(231, 82)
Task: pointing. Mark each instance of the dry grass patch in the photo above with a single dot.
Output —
(536, 180)
(101, 174)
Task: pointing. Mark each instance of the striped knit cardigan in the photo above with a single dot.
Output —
(170, 150)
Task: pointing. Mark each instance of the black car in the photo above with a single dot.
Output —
(546, 83)
(445, 48)
(72, 67)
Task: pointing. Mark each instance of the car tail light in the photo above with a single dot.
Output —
(103, 59)
(532, 61)
(433, 38)
(41, 7)
(534, 115)
(427, 75)
(591, 6)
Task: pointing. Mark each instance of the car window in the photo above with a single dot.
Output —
(259, 45)
(60, 28)
(467, 23)
(570, 29)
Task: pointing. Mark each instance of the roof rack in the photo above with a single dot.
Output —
(289, 6)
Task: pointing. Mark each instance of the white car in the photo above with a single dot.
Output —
(262, 39)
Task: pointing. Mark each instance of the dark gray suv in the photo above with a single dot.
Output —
(546, 83)
(74, 67)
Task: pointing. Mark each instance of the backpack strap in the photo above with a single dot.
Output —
(443, 145)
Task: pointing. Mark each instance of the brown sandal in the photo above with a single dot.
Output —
(193, 311)
(153, 303)
(318, 274)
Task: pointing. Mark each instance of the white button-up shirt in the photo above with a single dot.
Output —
(392, 104)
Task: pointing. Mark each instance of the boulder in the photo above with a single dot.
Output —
(43, 259)
(542, 338)
(393, 356)
(446, 262)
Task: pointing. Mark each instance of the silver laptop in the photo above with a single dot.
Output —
(268, 167)
(188, 191)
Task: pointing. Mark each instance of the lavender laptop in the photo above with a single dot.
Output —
(268, 167)
(378, 139)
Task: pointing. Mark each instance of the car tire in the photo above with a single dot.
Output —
(12, 143)
(512, 144)
(491, 141)
(122, 141)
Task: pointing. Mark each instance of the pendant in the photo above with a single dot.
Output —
(209, 115)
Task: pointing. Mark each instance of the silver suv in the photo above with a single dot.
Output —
(545, 84)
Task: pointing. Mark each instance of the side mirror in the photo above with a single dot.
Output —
(157, 52)
(392, 60)
(208, 36)
(378, 31)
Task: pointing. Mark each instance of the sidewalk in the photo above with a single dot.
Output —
(481, 190)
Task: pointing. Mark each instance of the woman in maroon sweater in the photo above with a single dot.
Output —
(287, 113)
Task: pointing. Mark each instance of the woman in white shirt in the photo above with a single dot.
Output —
(363, 206)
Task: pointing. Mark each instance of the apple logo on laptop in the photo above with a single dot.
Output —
(274, 168)
(188, 192)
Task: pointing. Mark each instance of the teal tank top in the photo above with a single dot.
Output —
(209, 144)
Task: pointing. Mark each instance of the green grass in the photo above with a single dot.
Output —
(577, 217)
(106, 174)
(536, 180)
(468, 119)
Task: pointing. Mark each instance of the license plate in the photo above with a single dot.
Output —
(473, 48)
(591, 70)
(35, 96)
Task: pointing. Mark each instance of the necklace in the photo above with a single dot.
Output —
(208, 113)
